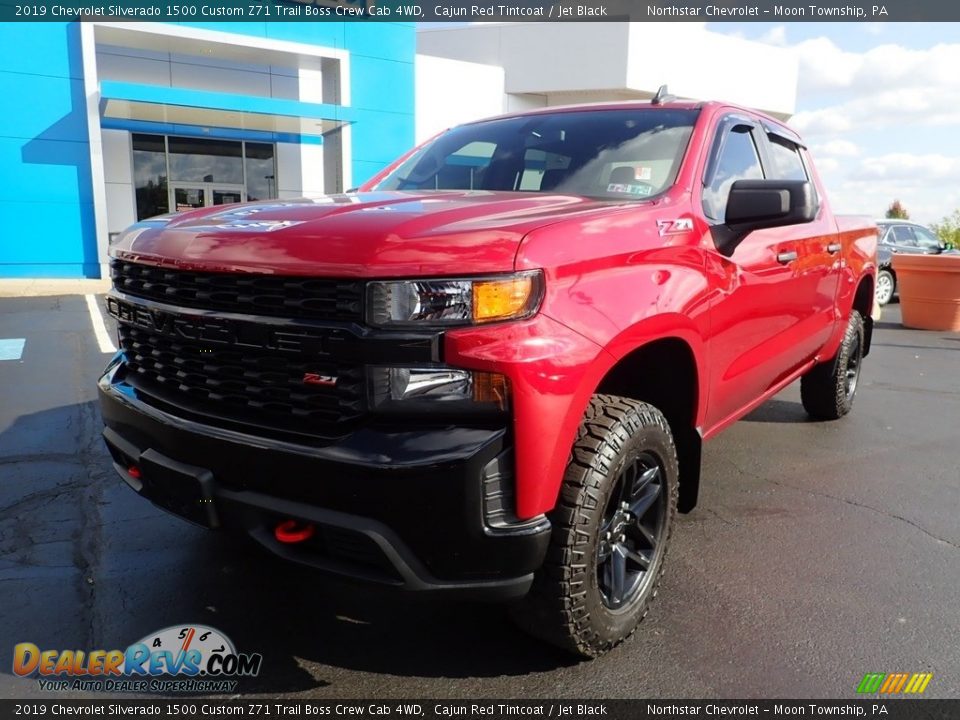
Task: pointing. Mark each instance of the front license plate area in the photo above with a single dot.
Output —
(184, 490)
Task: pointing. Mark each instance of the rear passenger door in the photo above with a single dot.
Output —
(818, 247)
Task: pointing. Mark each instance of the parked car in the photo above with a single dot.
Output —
(489, 372)
(902, 236)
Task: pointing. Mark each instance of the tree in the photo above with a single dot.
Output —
(948, 229)
(896, 211)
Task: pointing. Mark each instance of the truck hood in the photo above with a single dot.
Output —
(375, 234)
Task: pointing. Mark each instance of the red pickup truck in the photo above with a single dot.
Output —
(490, 370)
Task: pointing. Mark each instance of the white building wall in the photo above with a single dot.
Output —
(118, 177)
(562, 63)
(451, 92)
(721, 68)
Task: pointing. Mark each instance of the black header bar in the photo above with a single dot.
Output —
(265, 708)
(782, 11)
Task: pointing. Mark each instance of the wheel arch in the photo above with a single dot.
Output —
(664, 373)
(863, 300)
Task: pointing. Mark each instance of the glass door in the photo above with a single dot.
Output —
(192, 195)
(225, 195)
(187, 197)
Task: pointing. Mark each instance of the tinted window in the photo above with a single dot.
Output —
(926, 239)
(615, 154)
(738, 160)
(903, 235)
(536, 165)
(787, 164)
(203, 160)
(260, 171)
(150, 175)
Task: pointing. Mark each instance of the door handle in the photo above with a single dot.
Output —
(787, 257)
(834, 248)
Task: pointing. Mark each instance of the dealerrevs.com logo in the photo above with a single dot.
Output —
(182, 658)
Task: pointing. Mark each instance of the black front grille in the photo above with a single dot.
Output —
(252, 294)
(243, 385)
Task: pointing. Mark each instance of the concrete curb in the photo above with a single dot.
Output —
(15, 287)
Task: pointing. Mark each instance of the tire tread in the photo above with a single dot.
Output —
(556, 608)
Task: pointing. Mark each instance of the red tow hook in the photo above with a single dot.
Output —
(134, 472)
(293, 531)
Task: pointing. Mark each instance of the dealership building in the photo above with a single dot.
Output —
(116, 122)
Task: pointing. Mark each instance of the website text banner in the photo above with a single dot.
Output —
(193, 707)
(492, 11)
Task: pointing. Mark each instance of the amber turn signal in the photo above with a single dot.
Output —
(503, 299)
(491, 388)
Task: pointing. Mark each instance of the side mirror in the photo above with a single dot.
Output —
(758, 204)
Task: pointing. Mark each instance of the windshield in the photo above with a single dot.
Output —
(614, 154)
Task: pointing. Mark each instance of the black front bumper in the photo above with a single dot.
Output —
(402, 508)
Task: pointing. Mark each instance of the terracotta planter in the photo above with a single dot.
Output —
(929, 287)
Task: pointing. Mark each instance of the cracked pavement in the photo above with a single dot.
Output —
(819, 552)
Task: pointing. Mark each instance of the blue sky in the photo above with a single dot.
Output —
(879, 104)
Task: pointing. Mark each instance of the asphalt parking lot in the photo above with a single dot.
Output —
(820, 552)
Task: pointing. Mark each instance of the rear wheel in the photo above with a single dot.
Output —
(885, 287)
(828, 390)
(610, 529)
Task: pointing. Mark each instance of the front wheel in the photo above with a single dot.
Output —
(885, 287)
(611, 528)
(827, 391)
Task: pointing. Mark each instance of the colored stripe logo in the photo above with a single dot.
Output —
(894, 683)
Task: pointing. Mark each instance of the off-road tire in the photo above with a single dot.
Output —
(826, 391)
(565, 605)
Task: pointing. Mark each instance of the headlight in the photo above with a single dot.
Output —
(446, 303)
(436, 389)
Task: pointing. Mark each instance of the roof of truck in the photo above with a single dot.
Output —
(637, 104)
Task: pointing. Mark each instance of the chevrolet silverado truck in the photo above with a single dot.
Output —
(489, 371)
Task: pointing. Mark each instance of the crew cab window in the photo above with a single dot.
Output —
(738, 160)
(537, 165)
(619, 154)
(463, 168)
(787, 163)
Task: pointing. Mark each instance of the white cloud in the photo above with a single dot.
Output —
(776, 35)
(824, 66)
(836, 148)
(875, 124)
(927, 184)
(930, 170)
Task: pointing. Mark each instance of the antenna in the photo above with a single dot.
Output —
(662, 96)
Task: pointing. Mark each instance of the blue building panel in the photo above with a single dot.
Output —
(45, 182)
(46, 188)
(395, 41)
(40, 48)
(381, 137)
(44, 171)
(50, 239)
(380, 84)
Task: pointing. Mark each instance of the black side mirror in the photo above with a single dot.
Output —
(758, 204)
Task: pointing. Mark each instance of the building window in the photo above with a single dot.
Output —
(180, 173)
(150, 175)
(261, 171)
(204, 160)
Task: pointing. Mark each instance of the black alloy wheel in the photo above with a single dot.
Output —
(631, 533)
